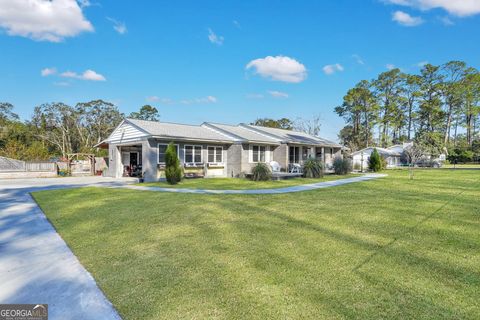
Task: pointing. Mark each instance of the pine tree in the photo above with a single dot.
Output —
(173, 172)
(375, 163)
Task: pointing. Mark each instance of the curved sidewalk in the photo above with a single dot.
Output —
(305, 187)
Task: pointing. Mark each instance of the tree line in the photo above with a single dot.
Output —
(57, 129)
(438, 108)
(308, 125)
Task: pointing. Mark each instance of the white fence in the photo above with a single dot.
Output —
(11, 169)
(9, 165)
(40, 166)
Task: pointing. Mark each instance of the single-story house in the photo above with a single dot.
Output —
(210, 149)
(361, 158)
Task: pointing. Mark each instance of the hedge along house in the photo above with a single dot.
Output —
(209, 150)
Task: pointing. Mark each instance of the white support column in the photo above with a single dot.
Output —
(119, 167)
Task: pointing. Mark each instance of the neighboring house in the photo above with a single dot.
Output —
(210, 149)
(391, 155)
(395, 157)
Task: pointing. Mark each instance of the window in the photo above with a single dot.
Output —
(215, 154)
(258, 153)
(294, 154)
(306, 153)
(162, 148)
(193, 154)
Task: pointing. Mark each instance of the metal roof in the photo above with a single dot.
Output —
(243, 133)
(228, 133)
(179, 131)
(290, 136)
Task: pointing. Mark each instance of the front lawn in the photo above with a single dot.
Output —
(462, 166)
(243, 184)
(390, 248)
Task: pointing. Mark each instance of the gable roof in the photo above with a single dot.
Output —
(133, 129)
(244, 134)
(179, 131)
(382, 151)
(290, 136)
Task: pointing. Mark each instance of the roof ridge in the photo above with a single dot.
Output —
(259, 131)
(167, 122)
(221, 131)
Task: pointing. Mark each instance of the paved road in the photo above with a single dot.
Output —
(36, 266)
(305, 187)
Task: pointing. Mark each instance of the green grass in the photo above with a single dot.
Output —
(462, 166)
(242, 184)
(390, 248)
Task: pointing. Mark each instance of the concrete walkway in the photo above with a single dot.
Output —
(305, 187)
(36, 265)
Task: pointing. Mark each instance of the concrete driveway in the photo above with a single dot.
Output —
(36, 265)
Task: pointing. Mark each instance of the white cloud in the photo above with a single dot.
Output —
(214, 38)
(332, 68)
(279, 68)
(48, 72)
(86, 75)
(118, 26)
(207, 99)
(202, 100)
(92, 75)
(390, 66)
(254, 96)
(159, 100)
(69, 74)
(460, 8)
(278, 94)
(405, 19)
(153, 99)
(358, 59)
(43, 20)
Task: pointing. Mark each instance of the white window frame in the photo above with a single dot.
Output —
(295, 160)
(259, 146)
(215, 154)
(193, 152)
(166, 144)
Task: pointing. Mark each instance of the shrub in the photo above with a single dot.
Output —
(261, 172)
(357, 167)
(313, 168)
(342, 165)
(375, 163)
(383, 163)
(173, 172)
(64, 172)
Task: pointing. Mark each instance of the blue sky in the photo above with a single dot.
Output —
(190, 58)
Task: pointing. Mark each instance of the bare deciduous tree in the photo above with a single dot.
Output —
(413, 153)
(311, 126)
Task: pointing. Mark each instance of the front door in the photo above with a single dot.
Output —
(133, 159)
(318, 154)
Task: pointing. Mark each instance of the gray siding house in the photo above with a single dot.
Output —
(209, 149)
